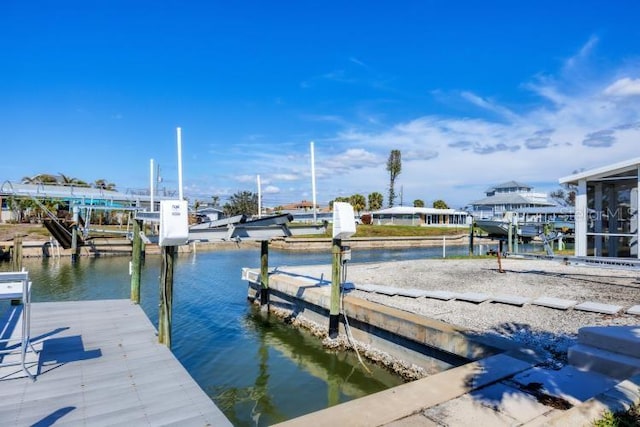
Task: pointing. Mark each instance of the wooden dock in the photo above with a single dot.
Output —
(98, 364)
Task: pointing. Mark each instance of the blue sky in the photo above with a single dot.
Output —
(472, 93)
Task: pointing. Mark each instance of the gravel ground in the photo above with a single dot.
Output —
(546, 329)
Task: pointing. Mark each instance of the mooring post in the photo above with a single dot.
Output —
(264, 273)
(510, 237)
(136, 264)
(16, 254)
(471, 239)
(166, 295)
(74, 234)
(500, 270)
(334, 311)
(515, 238)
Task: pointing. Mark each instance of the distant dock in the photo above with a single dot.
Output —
(99, 364)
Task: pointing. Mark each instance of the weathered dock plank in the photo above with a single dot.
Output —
(99, 363)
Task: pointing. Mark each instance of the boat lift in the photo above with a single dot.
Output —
(601, 262)
(238, 228)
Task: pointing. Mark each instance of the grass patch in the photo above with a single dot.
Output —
(628, 418)
(10, 230)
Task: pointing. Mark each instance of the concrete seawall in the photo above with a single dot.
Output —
(101, 246)
(472, 376)
(456, 361)
(427, 343)
(313, 243)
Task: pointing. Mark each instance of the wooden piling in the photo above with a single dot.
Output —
(471, 239)
(500, 248)
(136, 262)
(334, 310)
(16, 254)
(166, 295)
(75, 249)
(264, 273)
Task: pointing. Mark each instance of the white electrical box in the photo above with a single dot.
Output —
(174, 223)
(344, 220)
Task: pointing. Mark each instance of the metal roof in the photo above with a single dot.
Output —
(630, 165)
(71, 192)
(510, 199)
(509, 184)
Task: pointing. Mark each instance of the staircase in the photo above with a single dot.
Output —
(610, 350)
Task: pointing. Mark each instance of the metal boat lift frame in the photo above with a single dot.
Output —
(238, 228)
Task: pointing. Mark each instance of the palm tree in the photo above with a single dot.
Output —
(103, 184)
(67, 180)
(394, 166)
(43, 178)
(358, 202)
(440, 204)
(375, 201)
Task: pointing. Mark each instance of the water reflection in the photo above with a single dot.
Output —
(258, 370)
(293, 367)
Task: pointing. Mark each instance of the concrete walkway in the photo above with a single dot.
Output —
(99, 364)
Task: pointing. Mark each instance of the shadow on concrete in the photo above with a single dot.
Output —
(59, 351)
(319, 281)
(8, 323)
(52, 418)
(547, 380)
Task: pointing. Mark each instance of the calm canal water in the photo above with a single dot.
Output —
(257, 370)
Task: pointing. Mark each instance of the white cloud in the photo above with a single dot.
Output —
(488, 105)
(357, 62)
(579, 123)
(624, 87)
(285, 177)
(246, 178)
(271, 189)
(463, 156)
(583, 54)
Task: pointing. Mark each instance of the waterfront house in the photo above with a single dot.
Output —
(407, 215)
(508, 197)
(209, 213)
(606, 210)
(302, 211)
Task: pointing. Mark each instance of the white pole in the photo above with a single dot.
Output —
(259, 198)
(313, 182)
(151, 183)
(444, 246)
(179, 132)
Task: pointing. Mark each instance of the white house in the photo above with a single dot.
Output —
(212, 214)
(606, 210)
(406, 215)
(507, 197)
